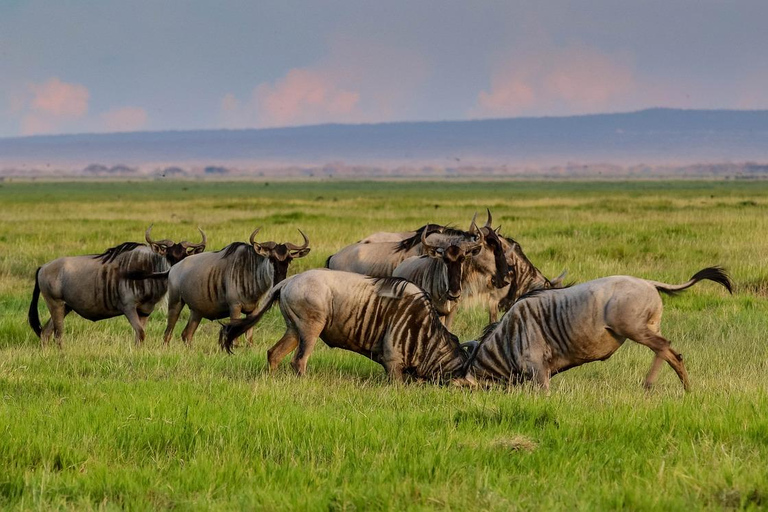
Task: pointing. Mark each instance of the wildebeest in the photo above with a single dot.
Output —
(98, 286)
(550, 331)
(228, 282)
(444, 271)
(523, 278)
(388, 320)
(379, 258)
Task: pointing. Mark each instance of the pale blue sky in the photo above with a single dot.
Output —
(103, 65)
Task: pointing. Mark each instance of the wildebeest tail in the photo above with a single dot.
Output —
(328, 261)
(140, 275)
(231, 331)
(33, 316)
(716, 274)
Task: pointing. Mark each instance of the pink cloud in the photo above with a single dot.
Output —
(571, 80)
(46, 106)
(124, 119)
(304, 96)
(358, 81)
(59, 99)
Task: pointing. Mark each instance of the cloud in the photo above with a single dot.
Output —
(47, 106)
(305, 96)
(124, 119)
(357, 81)
(59, 99)
(558, 81)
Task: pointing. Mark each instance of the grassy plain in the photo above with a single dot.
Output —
(104, 425)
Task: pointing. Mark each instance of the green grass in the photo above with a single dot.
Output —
(105, 425)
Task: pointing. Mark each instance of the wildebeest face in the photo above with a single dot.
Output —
(175, 252)
(501, 277)
(280, 256)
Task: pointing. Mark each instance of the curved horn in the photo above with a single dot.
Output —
(296, 247)
(202, 244)
(424, 243)
(146, 235)
(252, 239)
(480, 237)
(471, 224)
(490, 219)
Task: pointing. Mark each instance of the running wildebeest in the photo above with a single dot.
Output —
(227, 283)
(550, 331)
(444, 271)
(99, 286)
(388, 320)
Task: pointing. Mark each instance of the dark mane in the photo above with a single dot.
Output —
(487, 332)
(540, 291)
(110, 254)
(411, 242)
(232, 248)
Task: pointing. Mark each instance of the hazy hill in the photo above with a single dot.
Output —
(649, 136)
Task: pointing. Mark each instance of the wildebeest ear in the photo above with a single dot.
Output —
(261, 250)
(196, 250)
(476, 250)
(159, 249)
(301, 253)
(435, 252)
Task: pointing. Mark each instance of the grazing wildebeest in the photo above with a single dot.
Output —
(388, 320)
(98, 286)
(228, 282)
(550, 331)
(379, 259)
(444, 271)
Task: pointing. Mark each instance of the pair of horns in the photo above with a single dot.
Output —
(466, 246)
(488, 221)
(167, 242)
(289, 245)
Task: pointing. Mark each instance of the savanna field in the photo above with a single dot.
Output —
(103, 424)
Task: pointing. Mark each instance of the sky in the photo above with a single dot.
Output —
(77, 66)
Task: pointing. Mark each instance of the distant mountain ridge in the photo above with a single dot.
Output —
(647, 136)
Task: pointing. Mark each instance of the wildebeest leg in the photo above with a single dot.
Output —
(282, 348)
(661, 346)
(191, 327)
(653, 373)
(175, 305)
(391, 360)
(55, 324)
(451, 316)
(307, 344)
(137, 323)
(235, 312)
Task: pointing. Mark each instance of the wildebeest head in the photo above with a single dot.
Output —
(501, 277)
(279, 255)
(455, 256)
(174, 252)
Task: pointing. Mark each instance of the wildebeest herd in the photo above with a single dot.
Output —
(390, 297)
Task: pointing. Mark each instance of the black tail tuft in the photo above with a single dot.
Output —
(33, 316)
(716, 274)
(231, 331)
